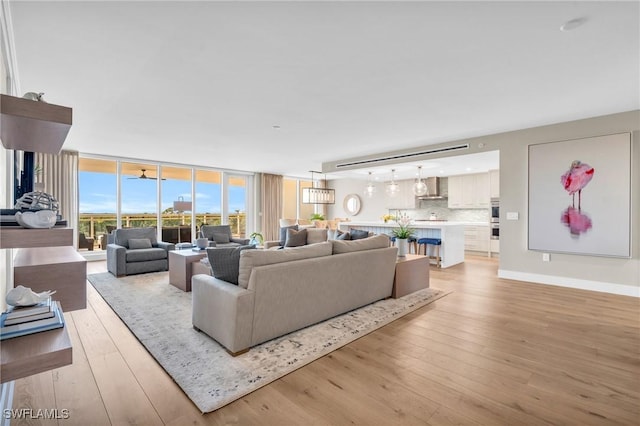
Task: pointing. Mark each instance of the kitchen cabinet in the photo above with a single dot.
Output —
(476, 238)
(469, 191)
(494, 183)
(405, 199)
(455, 192)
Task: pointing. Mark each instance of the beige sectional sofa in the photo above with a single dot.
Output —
(280, 291)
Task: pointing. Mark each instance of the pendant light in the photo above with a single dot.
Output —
(392, 188)
(318, 195)
(370, 189)
(419, 188)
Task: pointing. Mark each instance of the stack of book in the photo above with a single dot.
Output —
(19, 321)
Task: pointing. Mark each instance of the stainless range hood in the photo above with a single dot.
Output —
(433, 190)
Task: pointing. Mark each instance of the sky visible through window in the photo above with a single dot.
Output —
(98, 195)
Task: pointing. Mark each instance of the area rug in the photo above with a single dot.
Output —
(159, 315)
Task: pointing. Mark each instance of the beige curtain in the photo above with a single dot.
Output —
(271, 195)
(60, 178)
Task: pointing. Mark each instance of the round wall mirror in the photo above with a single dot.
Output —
(352, 204)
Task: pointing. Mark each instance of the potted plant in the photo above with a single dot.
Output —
(317, 216)
(402, 233)
(256, 238)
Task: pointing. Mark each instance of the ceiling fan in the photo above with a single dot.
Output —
(144, 176)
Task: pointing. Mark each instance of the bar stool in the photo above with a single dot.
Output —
(411, 240)
(436, 242)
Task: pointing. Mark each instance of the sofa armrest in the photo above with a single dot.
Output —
(166, 246)
(117, 259)
(242, 241)
(271, 244)
(223, 310)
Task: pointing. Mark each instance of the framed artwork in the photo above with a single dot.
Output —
(580, 196)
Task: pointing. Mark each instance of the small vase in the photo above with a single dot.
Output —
(403, 246)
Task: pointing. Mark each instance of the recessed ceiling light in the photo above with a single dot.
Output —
(573, 24)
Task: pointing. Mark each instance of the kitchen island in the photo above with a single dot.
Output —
(451, 234)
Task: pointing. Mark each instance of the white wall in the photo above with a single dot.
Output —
(616, 275)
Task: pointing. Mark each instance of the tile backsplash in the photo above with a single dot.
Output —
(442, 211)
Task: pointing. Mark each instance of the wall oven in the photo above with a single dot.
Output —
(495, 231)
(495, 210)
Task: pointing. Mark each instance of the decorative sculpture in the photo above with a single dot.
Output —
(24, 296)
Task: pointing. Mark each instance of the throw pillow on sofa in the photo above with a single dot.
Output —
(371, 243)
(343, 236)
(357, 234)
(316, 235)
(283, 233)
(139, 243)
(296, 238)
(225, 262)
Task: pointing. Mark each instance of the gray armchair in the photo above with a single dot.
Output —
(220, 236)
(136, 251)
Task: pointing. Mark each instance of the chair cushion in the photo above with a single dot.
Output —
(122, 236)
(283, 233)
(225, 262)
(296, 238)
(139, 243)
(221, 237)
(145, 254)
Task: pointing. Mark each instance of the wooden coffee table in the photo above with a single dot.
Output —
(180, 262)
(412, 274)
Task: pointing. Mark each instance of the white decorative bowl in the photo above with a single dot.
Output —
(39, 219)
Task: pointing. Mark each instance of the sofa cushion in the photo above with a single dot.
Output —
(358, 234)
(283, 233)
(316, 235)
(252, 258)
(225, 262)
(370, 243)
(296, 238)
(221, 238)
(139, 243)
(145, 254)
(122, 236)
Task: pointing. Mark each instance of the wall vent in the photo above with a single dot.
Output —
(403, 156)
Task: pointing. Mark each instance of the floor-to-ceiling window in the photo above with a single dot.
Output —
(290, 198)
(237, 205)
(139, 199)
(208, 198)
(98, 198)
(117, 192)
(176, 205)
(306, 210)
(293, 208)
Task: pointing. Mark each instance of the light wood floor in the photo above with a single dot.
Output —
(494, 352)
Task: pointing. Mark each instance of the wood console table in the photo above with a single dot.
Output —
(412, 274)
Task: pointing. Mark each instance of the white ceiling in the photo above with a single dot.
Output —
(204, 82)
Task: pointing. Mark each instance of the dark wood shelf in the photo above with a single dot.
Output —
(27, 125)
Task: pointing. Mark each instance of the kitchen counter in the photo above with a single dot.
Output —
(451, 234)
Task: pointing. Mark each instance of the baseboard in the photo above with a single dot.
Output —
(623, 290)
